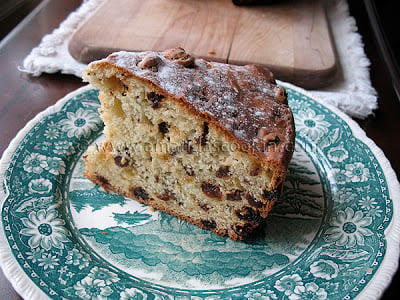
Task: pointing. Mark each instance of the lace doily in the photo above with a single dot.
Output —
(352, 92)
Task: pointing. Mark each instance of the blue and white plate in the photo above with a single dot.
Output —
(334, 234)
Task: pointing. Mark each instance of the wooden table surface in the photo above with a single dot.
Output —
(23, 96)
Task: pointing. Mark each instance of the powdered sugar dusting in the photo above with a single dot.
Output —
(241, 98)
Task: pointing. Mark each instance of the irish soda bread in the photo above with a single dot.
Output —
(206, 142)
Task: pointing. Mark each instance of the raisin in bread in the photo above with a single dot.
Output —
(206, 142)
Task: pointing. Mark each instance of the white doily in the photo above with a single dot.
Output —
(352, 92)
(52, 54)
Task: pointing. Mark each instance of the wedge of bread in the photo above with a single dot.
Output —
(206, 142)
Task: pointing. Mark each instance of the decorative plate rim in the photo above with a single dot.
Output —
(22, 283)
(10, 267)
(383, 277)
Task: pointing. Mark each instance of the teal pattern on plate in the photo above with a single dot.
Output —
(324, 238)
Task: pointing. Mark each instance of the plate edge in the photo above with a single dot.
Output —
(383, 276)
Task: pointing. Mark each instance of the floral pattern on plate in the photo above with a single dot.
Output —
(324, 238)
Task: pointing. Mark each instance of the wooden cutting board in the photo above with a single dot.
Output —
(291, 37)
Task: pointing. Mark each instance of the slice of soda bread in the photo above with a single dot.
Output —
(206, 142)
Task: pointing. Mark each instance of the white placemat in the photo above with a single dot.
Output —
(351, 91)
